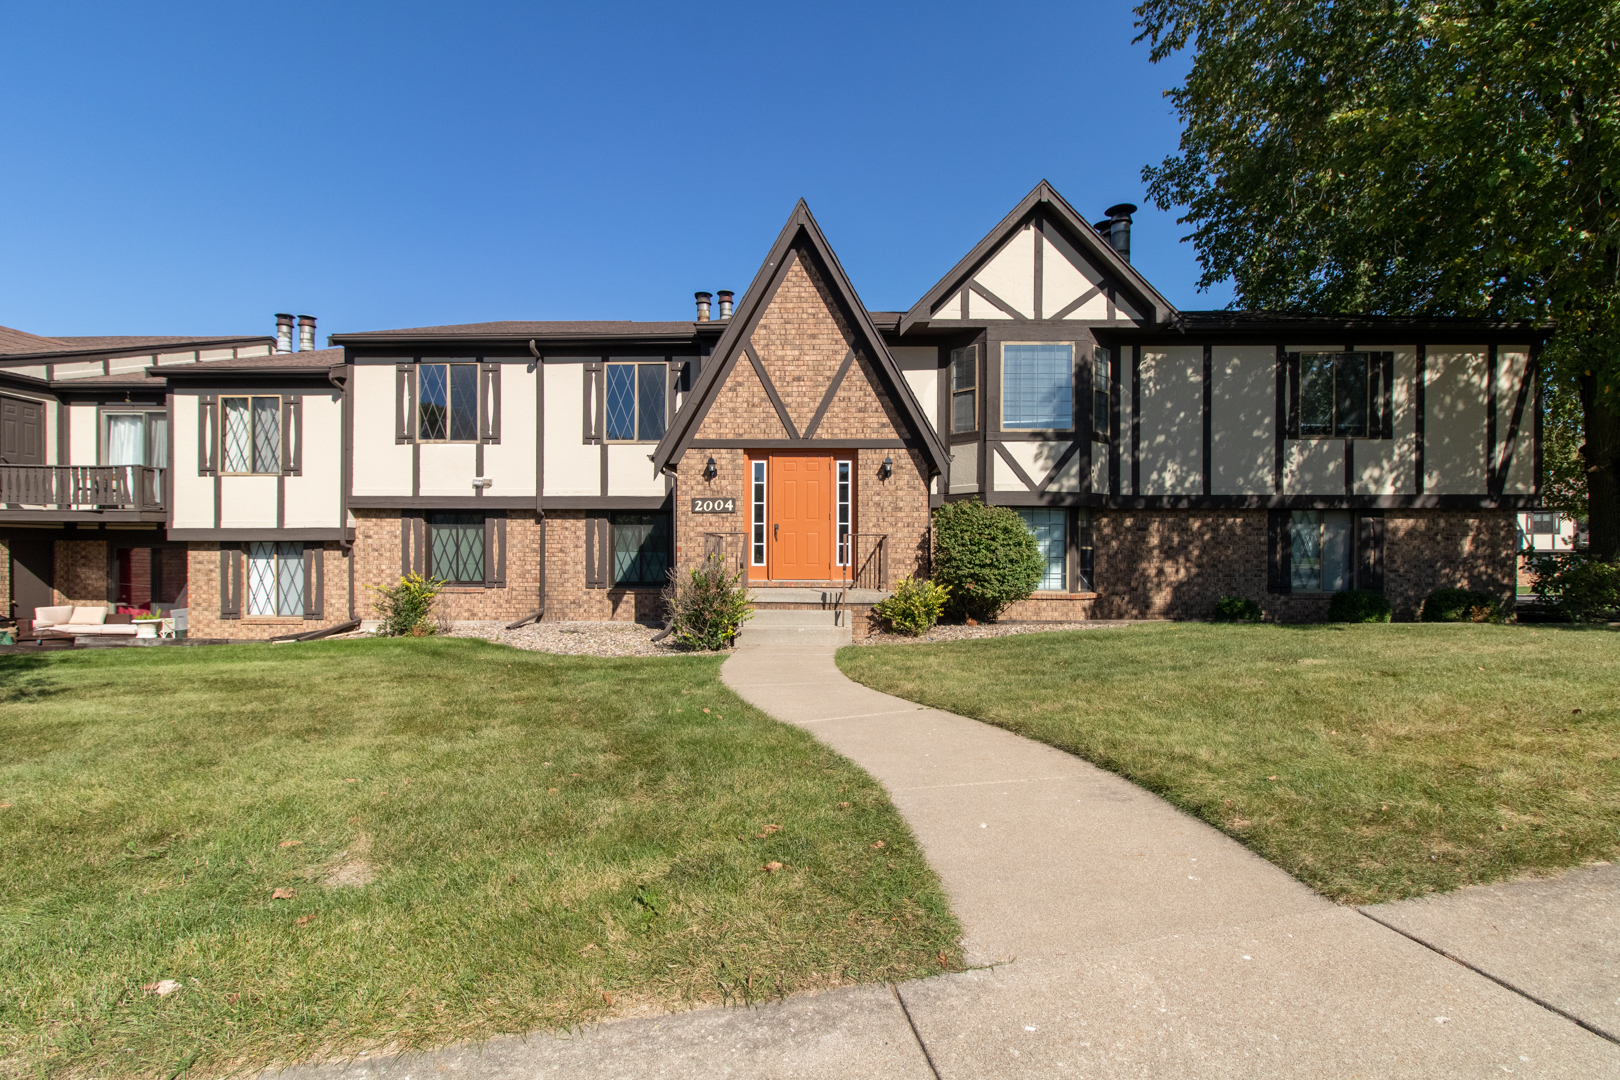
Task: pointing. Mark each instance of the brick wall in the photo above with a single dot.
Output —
(896, 508)
(203, 588)
(1426, 550)
(81, 572)
(567, 598)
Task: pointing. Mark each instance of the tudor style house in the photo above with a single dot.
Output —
(559, 470)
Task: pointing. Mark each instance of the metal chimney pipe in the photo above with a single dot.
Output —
(284, 327)
(1119, 228)
(725, 304)
(306, 333)
(702, 306)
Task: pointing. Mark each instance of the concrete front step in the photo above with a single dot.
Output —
(797, 617)
(815, 595)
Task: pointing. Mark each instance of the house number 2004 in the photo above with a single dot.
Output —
(714, 506)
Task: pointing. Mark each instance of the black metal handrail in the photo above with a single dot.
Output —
(732, 547)
(868, 565)
(82, 487)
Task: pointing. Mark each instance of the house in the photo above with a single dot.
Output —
(1162, 458)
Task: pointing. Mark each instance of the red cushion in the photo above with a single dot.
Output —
(130, 610)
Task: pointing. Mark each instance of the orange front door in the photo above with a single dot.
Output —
(800, 517)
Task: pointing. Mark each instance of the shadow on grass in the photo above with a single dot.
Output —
(23, 680)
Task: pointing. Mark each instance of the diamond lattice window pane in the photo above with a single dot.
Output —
(652, 392)
(456, 547)
(289, 579)
(266, 435)
(432, 396)
(464, 402)
(261, 578)
(640, 549)
(621, 401)
(238, 436)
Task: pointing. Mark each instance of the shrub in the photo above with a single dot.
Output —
(1460, 605)
(915, 606)
(708, 606)
(1584, 588)
(986, 556)
(1236, 609)
(407, 608)
(1359, 606)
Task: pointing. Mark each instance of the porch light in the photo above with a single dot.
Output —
(711, 470)
(886, 470)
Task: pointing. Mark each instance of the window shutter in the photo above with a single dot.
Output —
(489, 410)
(292, 435)
(596, 552)
(207, 435)
(1386, 395)
(1279, 552)
(230, 581)
(314, 581)
(500, 557)
(1370, 551)
(412, 543)
(1293, 395)
(404, 403)
(594, 405)
(491, 542)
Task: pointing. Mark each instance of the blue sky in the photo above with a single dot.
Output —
(194, 168)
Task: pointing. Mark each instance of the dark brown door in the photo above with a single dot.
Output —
(22, 432)
(33, 570)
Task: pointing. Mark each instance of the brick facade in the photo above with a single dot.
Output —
(203, 593)
(81, 573)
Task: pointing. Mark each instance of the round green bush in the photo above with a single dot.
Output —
(1359, 606)
(1581, 587)
(915, 606)
(986, 556)
(1236, 609)
(1460, 605)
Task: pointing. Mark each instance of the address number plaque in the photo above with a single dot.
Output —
(714, 506)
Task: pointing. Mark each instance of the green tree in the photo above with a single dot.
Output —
(1424, 158)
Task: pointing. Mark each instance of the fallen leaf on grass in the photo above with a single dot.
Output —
(1572, 712)
(768, 830)
(551, 791)
(843, 806)
(705, 710)
(772, 867)
(302, 919)
(878, 846)
(351, 780)
(233, 998)
(607, 997)
(590, 945)
(7, 806)
(291, 843)
(1271, 777)
(283, 894)
(162, 988)
(942, 961)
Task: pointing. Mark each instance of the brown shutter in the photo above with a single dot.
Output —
(1370, 551)
(230, 581)
(292, 435)
(404, 403)
(489, 410)
(207, 435)
(412, 543)
(500, 557)
(1293, 395)
(596, 551)
(314, 581)
(490, 553)
(595, 407)
(1279, 552)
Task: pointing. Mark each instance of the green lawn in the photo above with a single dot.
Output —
(1372, 762)
(477, 840)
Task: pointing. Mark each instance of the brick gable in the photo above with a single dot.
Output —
(742, 409)
(862, 408)
(802, 339)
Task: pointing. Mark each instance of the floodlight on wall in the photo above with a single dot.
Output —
(886, 470)
(711, 470)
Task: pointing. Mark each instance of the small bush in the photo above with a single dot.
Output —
(915, 606)
(986, 556)
(1460, 605)
(407, 608)
(708, 606)
(1359, 606)
(1584, 588)
(1236, 609)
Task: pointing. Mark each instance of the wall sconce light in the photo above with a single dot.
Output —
(886, 470)
(711, 470)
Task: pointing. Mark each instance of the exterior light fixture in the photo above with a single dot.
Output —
(886, 470)
(711, 470)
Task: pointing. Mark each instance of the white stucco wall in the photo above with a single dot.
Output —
(1521, 473)
(1454, 413)
(313, 497)
(448, 468)
(1010, 273)
(82, 435)
(1243, 417)
(193, 494)
(630, 470)
(1313, 467)
(1099, 470)
(924, 385)
(1172, 436)
(964, 474)
(247, 502)
(510, 462)
(381, 466)
(1387, 466)
(572, 468)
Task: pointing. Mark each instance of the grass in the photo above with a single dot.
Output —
(477, 840)
(1372, 762)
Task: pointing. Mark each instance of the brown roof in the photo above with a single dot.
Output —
(137, 342)
(20, 341)
(301, 362)
(521, 329)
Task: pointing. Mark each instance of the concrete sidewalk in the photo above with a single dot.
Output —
(1117, 937)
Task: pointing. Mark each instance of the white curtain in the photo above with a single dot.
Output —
(124, 431)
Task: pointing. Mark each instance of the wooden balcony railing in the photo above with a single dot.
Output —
(81, 487)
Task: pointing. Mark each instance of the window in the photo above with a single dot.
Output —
(640, 548)
(1037, 386)
(1543, 523)
(1321, 549)
(455, 548)
(636, 393)
(965, 388)
(1050, 536)
(252, 434)
(758, 509)
(1337, 396)
(1088, 553)
(135, 438)
(842, 556)
(447, 402)
(1101, 399)
(275, 577)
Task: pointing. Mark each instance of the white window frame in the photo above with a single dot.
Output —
(1074, 350)
(757, 521)
(253, 435)
(843, 509)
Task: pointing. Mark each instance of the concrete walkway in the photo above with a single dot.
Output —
(1117, 937)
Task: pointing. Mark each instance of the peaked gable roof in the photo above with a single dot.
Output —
(801, 227)
(1045, 198)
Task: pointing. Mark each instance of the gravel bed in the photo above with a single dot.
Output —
(575, 638)
(957, 632)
